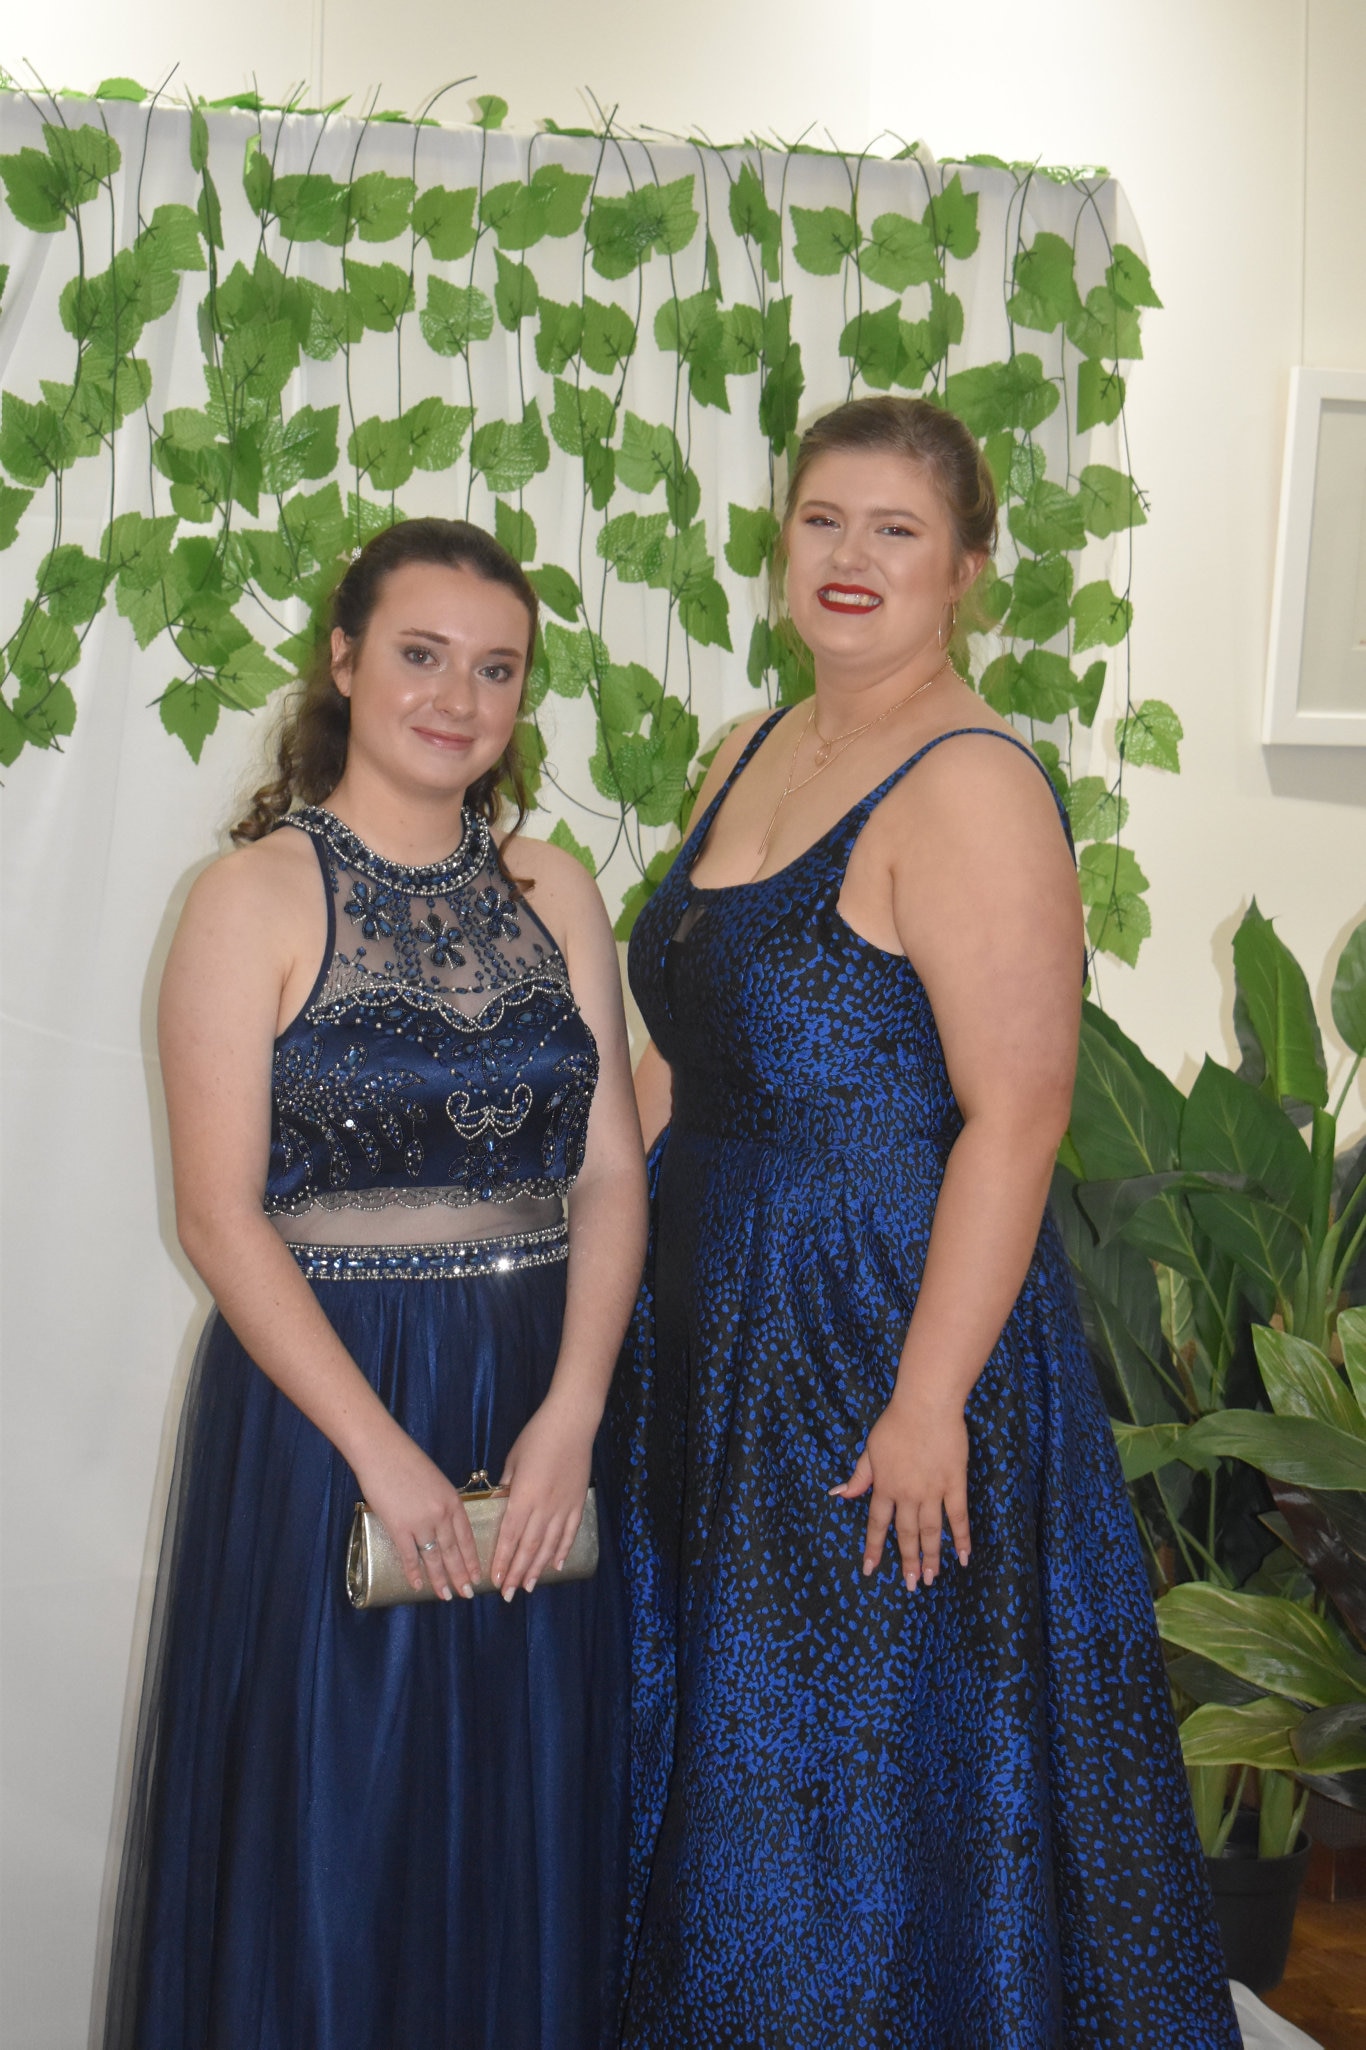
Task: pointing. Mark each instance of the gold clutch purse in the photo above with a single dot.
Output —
(375, 1578)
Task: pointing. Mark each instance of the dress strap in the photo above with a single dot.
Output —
(697, 832)
(852, 824)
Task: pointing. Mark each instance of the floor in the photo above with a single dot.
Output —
(1324, 1988)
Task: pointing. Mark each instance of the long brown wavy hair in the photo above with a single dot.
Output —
(311, 751)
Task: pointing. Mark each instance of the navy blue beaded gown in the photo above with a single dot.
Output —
(398, 1829)
(949, 1820)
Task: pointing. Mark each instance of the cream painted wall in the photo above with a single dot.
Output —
(1234, 127)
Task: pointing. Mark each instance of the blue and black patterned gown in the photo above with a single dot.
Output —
(948, 1820)
(398, 1829)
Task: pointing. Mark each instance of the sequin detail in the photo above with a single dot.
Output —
(953, 1820)
(440, 1055)
(461, 1260)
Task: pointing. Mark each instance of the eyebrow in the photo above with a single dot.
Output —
(877, 512)
(424, 633)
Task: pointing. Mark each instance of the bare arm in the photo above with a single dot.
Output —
(548, 1467)
(220, 996)
(985, 902)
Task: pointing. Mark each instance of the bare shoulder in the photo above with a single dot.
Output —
(727, 755)
(560, 890)
(267, 884)
(975, 773)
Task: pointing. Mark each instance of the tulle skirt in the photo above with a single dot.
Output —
(385, 1830)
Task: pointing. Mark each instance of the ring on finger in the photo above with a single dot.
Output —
(430, 1545)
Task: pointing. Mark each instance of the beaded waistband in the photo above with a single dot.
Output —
(459, 1260)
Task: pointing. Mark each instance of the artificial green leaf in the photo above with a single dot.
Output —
(1105, 326)
(516, 294)
(1127, 276)
(249, 676)
(1088, 692)
(509, 453)
(380, 450)
(383, 292)
(1043, 687)
(1046, 293)
(87, 158)
(454, 316)
(991, 396)
(42, 645)
(1299, 1450)
(826, 237)
(753, 537)
(258, 177)
(199, 141)
(1100, 394)
(609, 336)
(210, 633)
(1272, 1644)
(753, 217)
(34, 441)
(623, 233)
(1151, 735)
(1280, 1010)
(189, 711)
(872, 341)
(1302, 1381)
(784, 378)
(1100, 616)
(334, 321)
(1105, 871)
(704, 611)
(550, 203)
(599, 472)
(515, 531)
(1349, 991)
(560, 836)
(121, 89)
(382, 205)
(444, 220)
(557, 589)
(998, 682)
(691, 329)
(573, 660)
(581, 414)
(1256, 1734)
(72, 584)
(1041, 598)
(558, 336)
(436, 432)
(639, 894)
(492, 111)
(304, 446)
(925, 343)
(260, 358)
(900, 252)
(312, 207)
(13, 505)
(1095, 810)
(1048, 518)
(628, 695)
(1110, 500)
(648, 455)
(952, 214)
(171, 241)
(742, 339)
(45, 709)
(634, 544)
(37, 192)
(315, 526)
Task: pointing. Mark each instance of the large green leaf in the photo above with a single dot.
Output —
(1349, 991)
(1228, 1128)
(1272, 1644)
(1302, 1381)
(1352, 1337)
(1298, 1449)
(1257, 1733)
(1332, 1740)
(1126, 1114)
(1147, 1448)
(1280, 1009)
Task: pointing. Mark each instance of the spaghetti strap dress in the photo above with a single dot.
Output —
(402, 1828)
(949, 1820)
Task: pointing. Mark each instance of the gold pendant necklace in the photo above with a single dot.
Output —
(830, 751)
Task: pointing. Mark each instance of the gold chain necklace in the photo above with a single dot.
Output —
(830, 751)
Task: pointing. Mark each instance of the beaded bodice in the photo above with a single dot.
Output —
(440, 1058)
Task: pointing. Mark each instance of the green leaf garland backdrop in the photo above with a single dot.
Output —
(235, 342)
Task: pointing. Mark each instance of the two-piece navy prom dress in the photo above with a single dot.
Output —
(949, 1820)
(398, 1829)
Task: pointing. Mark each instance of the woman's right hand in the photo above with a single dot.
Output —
(418, 1505)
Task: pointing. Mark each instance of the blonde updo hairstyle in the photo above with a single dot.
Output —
(923, 433)
(311, 750)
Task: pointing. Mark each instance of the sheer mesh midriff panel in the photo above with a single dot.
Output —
(432, 1222)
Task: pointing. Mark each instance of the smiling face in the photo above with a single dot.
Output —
(872, 561)
(435, 682)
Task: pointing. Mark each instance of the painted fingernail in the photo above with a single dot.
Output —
(529, 1586)
(468, 1592)
(508, 1593)
(446, 1595)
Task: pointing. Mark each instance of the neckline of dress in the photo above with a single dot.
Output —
(431, 878)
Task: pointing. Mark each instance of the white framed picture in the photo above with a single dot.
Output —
(1316, 670)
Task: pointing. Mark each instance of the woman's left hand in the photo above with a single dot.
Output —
(548, 1471)
(916, 1464)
